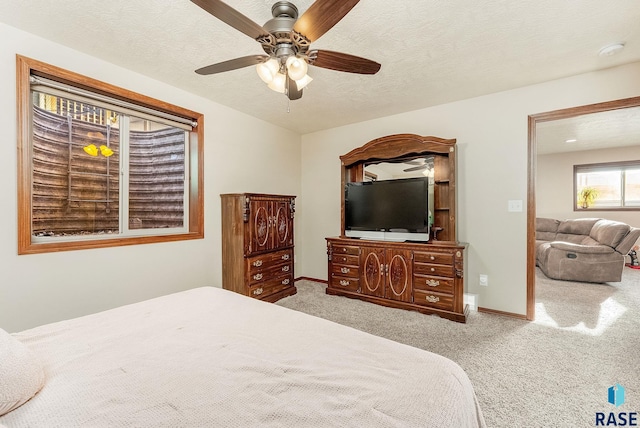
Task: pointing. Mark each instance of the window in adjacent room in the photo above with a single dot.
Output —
(607, 186)
(101, 166)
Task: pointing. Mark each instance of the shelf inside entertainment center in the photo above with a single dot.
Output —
(427, 277)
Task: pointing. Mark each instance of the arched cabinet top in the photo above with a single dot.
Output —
(403, 147)
(397, 146)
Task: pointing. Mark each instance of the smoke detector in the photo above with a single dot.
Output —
(611, 49)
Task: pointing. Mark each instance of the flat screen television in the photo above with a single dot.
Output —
(395, 210)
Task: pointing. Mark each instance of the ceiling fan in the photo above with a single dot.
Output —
(286, 40)
(422, 164)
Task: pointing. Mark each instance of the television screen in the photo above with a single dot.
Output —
(389, 205)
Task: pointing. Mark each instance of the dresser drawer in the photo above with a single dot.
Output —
(271, 272)
(264, 261)
(345, 249)
(271, 286)
(435, 258)
(430, 283)
(345, 259)
(343, 283)
(345, 270)
(433, 269)
(433, 299)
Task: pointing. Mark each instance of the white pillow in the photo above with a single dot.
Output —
(21, 373)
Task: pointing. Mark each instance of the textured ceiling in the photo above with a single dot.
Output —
(615, 128)
(431, 51)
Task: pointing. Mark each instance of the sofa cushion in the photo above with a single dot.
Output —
(546, 229)
(577, 226)
(609, 232)
(569, 237)
(578, 248)
(628, 241)
(547, 224)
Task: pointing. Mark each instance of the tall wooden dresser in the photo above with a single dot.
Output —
(257, 245)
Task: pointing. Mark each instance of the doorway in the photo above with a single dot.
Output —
(581, 114)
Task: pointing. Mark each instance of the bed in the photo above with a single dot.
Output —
(208, 357)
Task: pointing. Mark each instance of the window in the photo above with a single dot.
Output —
(607, 186)
(101, 166)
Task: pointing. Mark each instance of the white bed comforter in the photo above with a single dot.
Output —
(212, 358)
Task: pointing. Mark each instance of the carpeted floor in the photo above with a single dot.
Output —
(553, 372)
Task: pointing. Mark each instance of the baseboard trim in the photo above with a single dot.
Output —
(301, 278)
(506, 314)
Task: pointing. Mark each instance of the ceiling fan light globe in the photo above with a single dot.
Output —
(278, 82)
(267, 70)
(303, 82)
(296, 67)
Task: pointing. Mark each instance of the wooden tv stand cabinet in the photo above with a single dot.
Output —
(423, 277)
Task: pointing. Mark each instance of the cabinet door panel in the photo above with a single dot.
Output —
(398, 275)
(282, 223)
(260, 226)
(373, 280)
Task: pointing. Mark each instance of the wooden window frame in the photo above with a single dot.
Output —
(25, 67)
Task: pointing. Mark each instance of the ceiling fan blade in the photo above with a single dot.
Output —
(415, 168)
(415, 162)
(292, 89)
(342, 62)
(232, 17)
(232, 64)
(321, 16)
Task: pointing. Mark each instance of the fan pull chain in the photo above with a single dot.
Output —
(288, 105)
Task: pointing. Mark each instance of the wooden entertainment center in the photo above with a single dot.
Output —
(424, 277)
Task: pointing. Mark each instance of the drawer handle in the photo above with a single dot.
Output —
(258, 291)
(257, 263)
(432, 258)
(285, 257)
(344, 282)
(345, 270)
(432, 299)
(285, 281)
(285, 268)
(257, 276)
(344, 250)
(432, 283)
(433, 269)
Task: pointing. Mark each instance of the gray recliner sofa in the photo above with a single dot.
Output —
(584, 249)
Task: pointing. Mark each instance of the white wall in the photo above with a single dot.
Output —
(554, 183)
(492, 168)
(242, 154)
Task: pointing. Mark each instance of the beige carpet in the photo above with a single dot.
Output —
(553, 372)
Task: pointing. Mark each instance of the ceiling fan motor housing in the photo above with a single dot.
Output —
(284, 9)
(286, 43)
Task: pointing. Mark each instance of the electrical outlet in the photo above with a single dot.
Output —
(484, 280)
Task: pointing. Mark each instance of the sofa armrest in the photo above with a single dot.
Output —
(584, 249)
